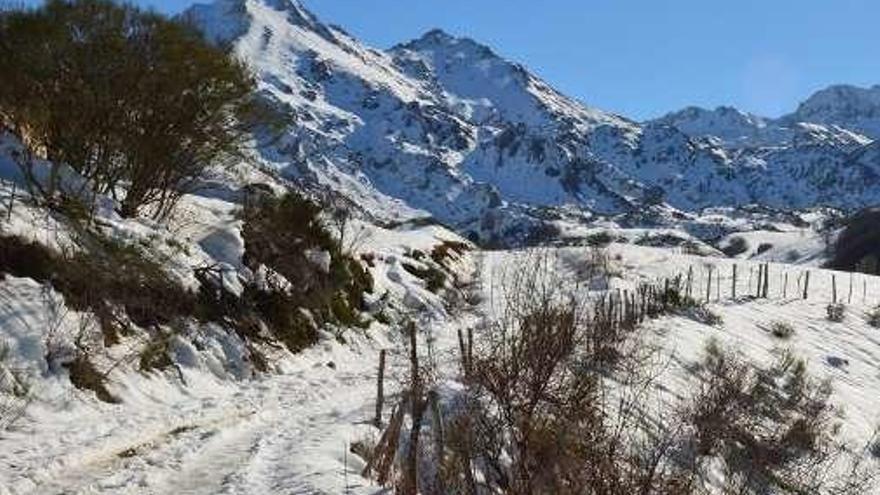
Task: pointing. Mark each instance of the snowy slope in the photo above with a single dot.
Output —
(847, 106)
(209, 433)
(733, 127)
(212, 422)
(447, 127)
(289, 432)
(443, 127)
(847, 354)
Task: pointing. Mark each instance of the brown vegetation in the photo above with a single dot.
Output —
(556, 399)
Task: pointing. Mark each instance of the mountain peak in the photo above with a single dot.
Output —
(223, 21)
(845, 105)
(438, 35)
(842, 94)
(730, 124)
(297, 13)
(439, 39)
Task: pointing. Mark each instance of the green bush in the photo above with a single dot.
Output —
(137, 104)
(283, 235)
(434, 278)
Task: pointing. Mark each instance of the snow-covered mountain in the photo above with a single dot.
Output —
(851, 107)
(732, 126)
(240, 387)
(446, 127)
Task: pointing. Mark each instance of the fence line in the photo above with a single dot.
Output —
(766, 281)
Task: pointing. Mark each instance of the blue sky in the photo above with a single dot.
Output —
(643, 58)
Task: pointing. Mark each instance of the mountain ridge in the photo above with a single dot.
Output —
(445, 126)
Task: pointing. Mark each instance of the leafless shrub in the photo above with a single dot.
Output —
(15, 390)
(340, 213)
(703, 314)
(595, 268)
(773, 429)
(781, 329)
(539, 415)
(874, 317)
(836, 312)
(547, 410)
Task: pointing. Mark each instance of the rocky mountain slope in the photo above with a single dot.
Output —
(444, 126)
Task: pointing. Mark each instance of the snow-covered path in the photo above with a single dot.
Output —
(281, 434)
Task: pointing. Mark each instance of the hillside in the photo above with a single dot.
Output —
(428, 271)
(446, 126)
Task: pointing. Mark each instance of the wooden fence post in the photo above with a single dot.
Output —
(439, 437)
(462, 348)
(834, 288)
(709, 285)
(849, 298)
(806, 284)
(690, 286)
(766, 279)
(11, 202)
(386, 450)
(417, 409)
(380, 390)
(470, 349)
(758, 285)
(666, 294)
(733, 283)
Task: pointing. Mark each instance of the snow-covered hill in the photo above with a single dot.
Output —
(439, 127)
(847, 106)
(446, 127)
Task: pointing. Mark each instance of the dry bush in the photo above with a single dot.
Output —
(836, 312)
(874, 317)
(115, 281)
(539, 415)
(434, 278)
(124, 286)
(85, 376)
(15, 390)
(772, 428)
(546, 411)
(781, 329)
(703, 314)
(595, 268)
